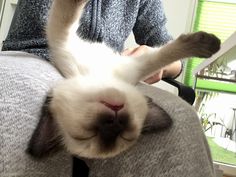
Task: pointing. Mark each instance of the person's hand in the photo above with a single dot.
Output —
(156, 77)
(140, 50)
(137, 51)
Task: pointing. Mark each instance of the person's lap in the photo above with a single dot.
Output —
(25, 80)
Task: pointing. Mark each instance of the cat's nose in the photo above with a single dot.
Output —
(111, 126)
(112, 106)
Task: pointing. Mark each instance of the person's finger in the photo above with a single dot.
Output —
(128, 51)
(140, 50)
(134, 52)
(154, 78)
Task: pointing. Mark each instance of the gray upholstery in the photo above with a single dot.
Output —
(25, 79)
(179, 151)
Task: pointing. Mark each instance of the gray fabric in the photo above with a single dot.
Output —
(108, 21)
(24, 83)
(181, 151)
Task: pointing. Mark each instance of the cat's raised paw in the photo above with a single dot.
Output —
(201, 44)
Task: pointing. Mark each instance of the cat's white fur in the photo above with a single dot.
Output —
(93, 73)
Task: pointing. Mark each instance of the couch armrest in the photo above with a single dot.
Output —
(185, 92)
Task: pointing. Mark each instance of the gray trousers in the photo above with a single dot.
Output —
(181, 151)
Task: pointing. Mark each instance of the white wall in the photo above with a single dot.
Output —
(179, 14)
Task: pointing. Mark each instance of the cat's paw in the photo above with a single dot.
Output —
(201, 44)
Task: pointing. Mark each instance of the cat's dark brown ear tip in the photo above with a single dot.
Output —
(45, 139)
(157, 118)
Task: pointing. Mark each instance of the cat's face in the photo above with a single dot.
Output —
(94, 118)
(97, 119)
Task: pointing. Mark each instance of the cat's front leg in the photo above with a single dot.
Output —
(63, 20)
(200, 44)
(61, 34)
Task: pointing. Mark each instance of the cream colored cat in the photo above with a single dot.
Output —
(96, 111)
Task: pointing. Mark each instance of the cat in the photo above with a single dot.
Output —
(96, 111)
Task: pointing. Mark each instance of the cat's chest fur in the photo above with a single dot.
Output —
(95, 59)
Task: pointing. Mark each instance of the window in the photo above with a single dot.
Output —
(217, 17)
(215, 101)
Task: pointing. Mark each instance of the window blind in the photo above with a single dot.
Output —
(217, 17)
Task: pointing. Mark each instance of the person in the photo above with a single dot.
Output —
(148, 25)
(181, 150)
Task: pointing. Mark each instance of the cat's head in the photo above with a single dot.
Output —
(94, 119)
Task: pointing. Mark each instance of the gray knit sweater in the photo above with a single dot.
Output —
(109, 21)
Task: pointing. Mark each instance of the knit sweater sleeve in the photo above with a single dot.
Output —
(150, 26)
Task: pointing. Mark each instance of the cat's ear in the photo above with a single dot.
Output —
(157, 119)
(45, 139)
